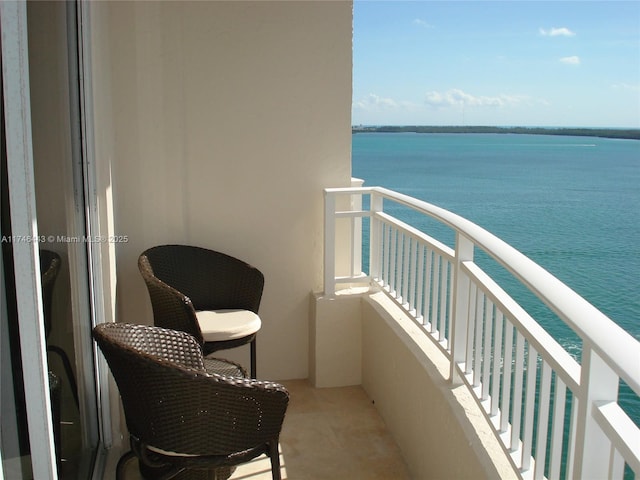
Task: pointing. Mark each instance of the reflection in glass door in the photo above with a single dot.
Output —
(59, 185)
(58, 173)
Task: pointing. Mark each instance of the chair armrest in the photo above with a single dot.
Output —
(187, 411)
(224, 367)
(172, 309)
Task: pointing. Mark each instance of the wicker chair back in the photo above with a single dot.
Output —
(212, 280)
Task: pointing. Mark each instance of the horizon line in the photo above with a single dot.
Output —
(408, 125)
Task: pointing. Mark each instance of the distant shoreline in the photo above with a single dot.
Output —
(622, 133)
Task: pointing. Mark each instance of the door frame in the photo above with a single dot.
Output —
(17, 118)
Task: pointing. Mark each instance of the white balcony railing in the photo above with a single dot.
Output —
(561, 419)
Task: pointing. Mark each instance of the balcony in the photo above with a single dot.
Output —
(416, 334)
(428, 343)
(458, 329)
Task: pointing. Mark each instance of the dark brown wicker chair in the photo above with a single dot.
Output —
(181, 417)
(50, 263)
(208, 294)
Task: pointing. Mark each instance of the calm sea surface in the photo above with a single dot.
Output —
(571, 204)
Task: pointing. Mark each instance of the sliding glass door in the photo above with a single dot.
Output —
(48, 403)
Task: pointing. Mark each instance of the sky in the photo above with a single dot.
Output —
(497, 63)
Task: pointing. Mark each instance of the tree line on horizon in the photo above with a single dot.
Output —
(629, 133)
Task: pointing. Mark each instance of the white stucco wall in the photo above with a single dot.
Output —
(222, 122)
(363, 337)
(438, 426)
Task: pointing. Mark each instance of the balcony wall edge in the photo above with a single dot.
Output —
(437, 425)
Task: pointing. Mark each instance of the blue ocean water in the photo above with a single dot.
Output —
(571, 204)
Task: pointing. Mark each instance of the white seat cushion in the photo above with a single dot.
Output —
(221, 325)
(169, 454)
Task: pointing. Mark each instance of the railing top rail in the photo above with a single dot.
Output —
(610, 341)
(440, 247)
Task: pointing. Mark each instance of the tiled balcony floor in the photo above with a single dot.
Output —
(328, 433)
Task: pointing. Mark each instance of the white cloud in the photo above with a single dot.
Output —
(556, 32)
(373, 102)
(626, 86)
(457, 97)
(421, 23)
(573, 60)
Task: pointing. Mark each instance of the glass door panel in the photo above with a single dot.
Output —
(62, 397)
(59, 190)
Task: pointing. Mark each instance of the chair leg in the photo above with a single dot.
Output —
(274, 455)
(66, 363)
(121, 464)
(253, 358)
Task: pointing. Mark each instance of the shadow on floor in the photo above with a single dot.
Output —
(328, 433)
